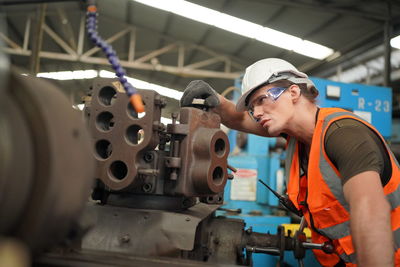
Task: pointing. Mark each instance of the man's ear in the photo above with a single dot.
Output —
(295, 92)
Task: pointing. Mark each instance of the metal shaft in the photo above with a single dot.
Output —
(312, 245)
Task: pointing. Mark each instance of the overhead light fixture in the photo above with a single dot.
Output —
(69, 75)
(163, 119)
(395, 42)
(90, 74)
(241, 27)
(165, 91)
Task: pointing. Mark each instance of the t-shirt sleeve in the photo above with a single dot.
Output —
(353, 150)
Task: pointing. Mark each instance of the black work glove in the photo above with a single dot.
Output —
(199, 89)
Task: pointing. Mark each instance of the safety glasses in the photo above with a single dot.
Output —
(270, 95)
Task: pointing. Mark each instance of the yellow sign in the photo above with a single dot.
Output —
(292, 227)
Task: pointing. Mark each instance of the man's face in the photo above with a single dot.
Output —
(271, 107)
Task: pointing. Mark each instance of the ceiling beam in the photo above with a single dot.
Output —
(326, 8)
(323, 68)
(66, 27)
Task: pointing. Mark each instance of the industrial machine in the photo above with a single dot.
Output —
(156, 188)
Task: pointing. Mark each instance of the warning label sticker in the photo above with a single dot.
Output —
(244, 185)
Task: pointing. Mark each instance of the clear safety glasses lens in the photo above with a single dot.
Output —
(251, 114)
(273, 93)
(276, 92)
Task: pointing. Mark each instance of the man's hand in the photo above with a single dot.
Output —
(199, 89)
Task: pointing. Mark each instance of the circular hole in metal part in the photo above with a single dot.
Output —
(219, 147)
(103, 149)
(107, 95)
(133, 114)
(210, 199)
(218, 175)
(118, 170)
(135, 134)
(148, 157)
(147, 187)
(105, 121)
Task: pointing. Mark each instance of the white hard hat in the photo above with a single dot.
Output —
(267, 71)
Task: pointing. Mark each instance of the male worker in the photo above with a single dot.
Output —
(341, 174)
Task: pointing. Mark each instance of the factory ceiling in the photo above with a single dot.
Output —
(167, 49)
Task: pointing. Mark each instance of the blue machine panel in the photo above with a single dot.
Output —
(372, 103)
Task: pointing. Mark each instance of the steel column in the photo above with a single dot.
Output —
(387, 51)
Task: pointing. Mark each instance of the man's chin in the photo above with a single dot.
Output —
(273, 133)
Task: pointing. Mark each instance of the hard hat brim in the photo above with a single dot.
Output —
(241, 103)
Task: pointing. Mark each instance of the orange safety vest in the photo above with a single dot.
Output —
(320, 197)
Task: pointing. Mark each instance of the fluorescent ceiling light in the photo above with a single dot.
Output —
(171, 93)
(395, 42)
(69, 75)
(241, 27)
(90, 74)
(163, 119)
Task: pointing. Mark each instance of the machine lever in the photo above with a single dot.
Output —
(284, 200)
(326, 247)
(233, 169)
(271, 251)
(237, 211)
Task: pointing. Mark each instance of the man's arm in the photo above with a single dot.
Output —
(237, 120)
(370, 220)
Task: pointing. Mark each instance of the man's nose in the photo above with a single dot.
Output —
(258, 112)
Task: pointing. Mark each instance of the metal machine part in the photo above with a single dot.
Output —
(120, 136)
(46, 168)
(143, 164)
(4, 61)
(194, 234)
(203, 153)
(144, 232)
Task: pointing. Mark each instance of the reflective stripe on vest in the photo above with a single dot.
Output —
(289, 157)
(336, 231)
(396, 235)
(349, 258)
(394, 198)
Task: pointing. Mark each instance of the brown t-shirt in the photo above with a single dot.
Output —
(354, 148)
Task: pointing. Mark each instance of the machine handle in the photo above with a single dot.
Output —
(326, 247)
